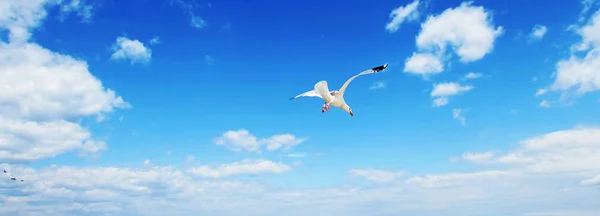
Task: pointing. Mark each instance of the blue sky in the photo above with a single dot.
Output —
(486, 108)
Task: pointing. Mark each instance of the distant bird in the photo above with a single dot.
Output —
(11, 177)
(336, 97)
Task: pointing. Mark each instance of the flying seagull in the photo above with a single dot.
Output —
(336, 97)
(11, 177)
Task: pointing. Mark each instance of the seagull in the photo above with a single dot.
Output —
(336, 97)
(11, 177)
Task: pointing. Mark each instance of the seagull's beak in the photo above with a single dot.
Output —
(351, 114)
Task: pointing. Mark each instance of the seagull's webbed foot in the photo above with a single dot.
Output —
(325, 107)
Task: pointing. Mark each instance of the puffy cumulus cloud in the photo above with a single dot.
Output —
(132, 50)
(442, 91)
(449, 89)
(244, 167)
(424, 64)
(580, 73)
(537, 32)
(41, 91)
(36, 83)
(466, 29)
(29, 140)
(552, 169)
(68, 190)
(85, 11)
(19, 17)
(409, 13)
(379, 176)
(243, 140)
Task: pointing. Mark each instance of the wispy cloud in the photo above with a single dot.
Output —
(458, 115)
(537, 32)
(154, 40)
(409, 13)
(209, 59)
(377, 85)
(190, 8)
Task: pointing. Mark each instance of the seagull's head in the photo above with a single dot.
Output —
(348, 109)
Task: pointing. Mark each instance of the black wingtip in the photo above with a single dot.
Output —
(380, 68)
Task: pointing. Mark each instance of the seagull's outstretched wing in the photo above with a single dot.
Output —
(321, 90)
(369, 71)
(11, 177)
(311, 93)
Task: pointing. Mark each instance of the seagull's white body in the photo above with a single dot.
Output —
(336, 98)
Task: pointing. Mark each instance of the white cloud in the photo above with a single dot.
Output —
(544, 103)
(541, 92)
(573, 150)
(377, 85)
(85, 11)
(454, 179)
(40, 84)
(447, 89)
(577, 74)
(22, 140)
(587, 5)
(244, 167)
(423, 64)
(112, 190)
(243, 140)
(41, 91)
(379, 176)
(466, 29)
(440, 101)
(281, 141)
(477, 157)
(457, 114)
(557, 163)
(538, 32)
(400, 14)
(155, 40)
(19, 17)
(592, 181)
(472, 75)
(296, 155)
(132, 50)
(195, 20)
(146, 162)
